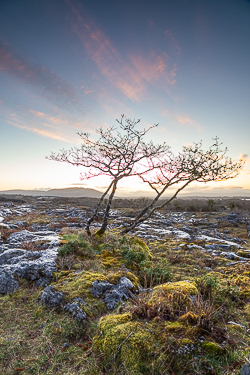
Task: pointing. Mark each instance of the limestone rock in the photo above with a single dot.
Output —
(51, 297)
(8, 283)
(37, 266)
(112, 294)
(75, 309)
(245, 370)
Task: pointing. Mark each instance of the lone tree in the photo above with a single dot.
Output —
(122, 152)
(118, 153)
(192, 164)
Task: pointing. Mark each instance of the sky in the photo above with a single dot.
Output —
(69, 66)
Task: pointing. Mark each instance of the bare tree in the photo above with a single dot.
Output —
(118, 154)
(192, 164)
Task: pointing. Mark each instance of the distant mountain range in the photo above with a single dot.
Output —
(77, 192)
(68, 192)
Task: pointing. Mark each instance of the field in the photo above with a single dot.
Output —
(171, 298)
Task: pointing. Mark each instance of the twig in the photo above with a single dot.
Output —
(119, 347)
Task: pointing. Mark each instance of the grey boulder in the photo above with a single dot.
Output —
(112, 294)
(245, 370)
(8, 283)
(75, 309)
(51, 297)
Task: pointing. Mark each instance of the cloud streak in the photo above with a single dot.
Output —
(130, 76)
(154, 68)
(186, 120)
(57, 126)
(51, 85)
(173, 40)
(244, 157)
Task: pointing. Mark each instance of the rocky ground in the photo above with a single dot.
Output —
(179, 286)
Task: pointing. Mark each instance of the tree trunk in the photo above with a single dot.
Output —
(92, 218)
(146, 215)
(104, 226)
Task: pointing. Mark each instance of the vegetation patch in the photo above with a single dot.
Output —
(191, 315)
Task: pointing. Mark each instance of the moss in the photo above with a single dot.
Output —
(114, 277)
(184, 287)
(125, 342)
(99, 234)
(109, 260)
(59, 275)
(111, 321)
(242, 253)
(174, 327)
(185, 341)
(78, 285)
(142, 245)
(212, 348)
(233, 328)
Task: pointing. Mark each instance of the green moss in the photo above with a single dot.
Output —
(78, 285)
(234, 328)
(111, 321)
(212, 348)
(125, 342)
(242, 253)
(174, 327)
(110, 259)
(185, 341)
(184, 287)
(142, 245)
(99, 234)
(114, 277)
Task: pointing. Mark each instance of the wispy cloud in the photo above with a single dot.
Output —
(47, 119)
(173, 40)
(155, 68)
(51, 85)
(105, 56)
(22, 124)
(244, 157)
(130, 75)
(186, 120)
(57, 126)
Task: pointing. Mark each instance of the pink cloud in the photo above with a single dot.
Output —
(44, 124)
(132, 76)
(105, 56)
(244, 157)
(186, 120)
(155, 68)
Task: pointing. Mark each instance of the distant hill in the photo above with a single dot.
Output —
(68, 192)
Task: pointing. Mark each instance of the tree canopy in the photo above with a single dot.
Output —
(121, 152)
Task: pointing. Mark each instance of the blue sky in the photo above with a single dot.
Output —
(70, 66)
